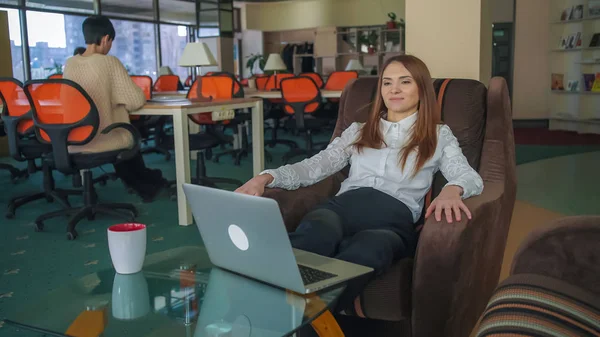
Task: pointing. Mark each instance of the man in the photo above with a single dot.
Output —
(107, 82)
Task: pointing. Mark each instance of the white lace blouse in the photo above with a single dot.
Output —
(380, 169)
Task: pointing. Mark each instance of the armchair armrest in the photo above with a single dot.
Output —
(566, 250)
(456, 267)
(295, 204)
(137, 138)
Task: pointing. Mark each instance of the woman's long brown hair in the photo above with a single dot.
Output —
(424, 133)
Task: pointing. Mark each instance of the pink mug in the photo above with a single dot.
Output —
(127, 246)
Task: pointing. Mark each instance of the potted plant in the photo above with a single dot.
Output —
(369, 40)
(252, 59)
(392, 23)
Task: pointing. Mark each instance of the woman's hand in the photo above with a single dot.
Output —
(449, 200)
(256, 185)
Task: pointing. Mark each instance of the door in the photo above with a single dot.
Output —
(502, 51)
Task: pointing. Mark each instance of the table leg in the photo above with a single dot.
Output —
(258, 138)
(326, 325)
(182, 165)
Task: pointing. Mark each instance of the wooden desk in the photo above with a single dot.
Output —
(251, 93)
(277, 94)
(180, 112)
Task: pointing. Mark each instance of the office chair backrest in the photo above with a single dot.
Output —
(316, 77)
(261, 82)
(300, 94)
(217, 87)
(67, 118)
(338, 79)
(55, 76)
(15, 105)
(167, 83)
(271, 81)
(145, 83)
(238, 89)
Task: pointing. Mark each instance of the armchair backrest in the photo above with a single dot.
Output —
(166, 83)
(63, 114)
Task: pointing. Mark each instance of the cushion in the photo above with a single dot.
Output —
(536, 305)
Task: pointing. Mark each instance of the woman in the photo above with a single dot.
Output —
(107, 82)
(393, 157)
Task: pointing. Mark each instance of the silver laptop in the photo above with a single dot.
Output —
(246, 234)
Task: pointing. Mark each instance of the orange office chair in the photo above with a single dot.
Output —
(316, 77)
(150, 124)
(337, 80)
(23, 145)
(302, 98)
(71, 118)
(167, 83)
(55, 76)
(274, 111)
(217, 87)
(261, 82)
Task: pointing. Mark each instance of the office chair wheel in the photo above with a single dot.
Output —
(39, 226)
(49, 198)
(102, 182)
(91, 216)
(10, 214)
(167, 156)
(216, 159)
(72, 235)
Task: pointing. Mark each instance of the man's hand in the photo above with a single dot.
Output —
(448, 201)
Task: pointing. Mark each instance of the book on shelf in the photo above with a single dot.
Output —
(588, 81)
(570, 41)
(572, 13)
(594, 8)
(557, 82)
(595, 40)
(573, 85)
(596, 85)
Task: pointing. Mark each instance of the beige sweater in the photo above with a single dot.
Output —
(105, 79)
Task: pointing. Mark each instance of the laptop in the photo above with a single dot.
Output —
(235, 305)
(246, 234)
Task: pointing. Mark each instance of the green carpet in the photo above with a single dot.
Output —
(31, 264)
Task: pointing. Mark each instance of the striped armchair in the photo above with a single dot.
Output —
(554, 286)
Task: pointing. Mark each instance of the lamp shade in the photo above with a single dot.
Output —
(197, 54)
(354, 65)
(274, 62)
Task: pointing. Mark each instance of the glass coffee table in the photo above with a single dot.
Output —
(178, 293)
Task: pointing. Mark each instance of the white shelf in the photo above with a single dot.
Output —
(575, 49)
(567, 92)
(574, 124)
(588, 63)
(587, 18)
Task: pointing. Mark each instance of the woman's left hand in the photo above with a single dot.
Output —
(449, 200)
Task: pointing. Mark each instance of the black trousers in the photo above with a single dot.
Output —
(362, 226)
(134, 173)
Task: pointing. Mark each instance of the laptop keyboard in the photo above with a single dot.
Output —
(311, 275)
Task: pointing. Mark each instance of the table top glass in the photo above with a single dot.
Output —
(178, 293)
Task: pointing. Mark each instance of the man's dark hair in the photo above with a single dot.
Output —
(79, 51)
(96, 27)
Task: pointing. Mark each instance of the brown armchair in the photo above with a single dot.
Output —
(446, 287)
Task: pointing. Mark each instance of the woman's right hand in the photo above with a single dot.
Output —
(256, 185)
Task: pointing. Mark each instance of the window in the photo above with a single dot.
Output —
(16, 48)
(172, 43)
(78, 6)
(178, 12)
(52, 39)
(135, 46)
(139, 9)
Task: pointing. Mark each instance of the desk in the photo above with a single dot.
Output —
(252, 93)
(180, 112)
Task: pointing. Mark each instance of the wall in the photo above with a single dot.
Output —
(252, 43)
(502, 10)
(276, 16)
(449, 48)
(485, 47)
(531, 63)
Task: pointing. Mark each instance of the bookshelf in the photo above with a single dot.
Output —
(573, 109)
